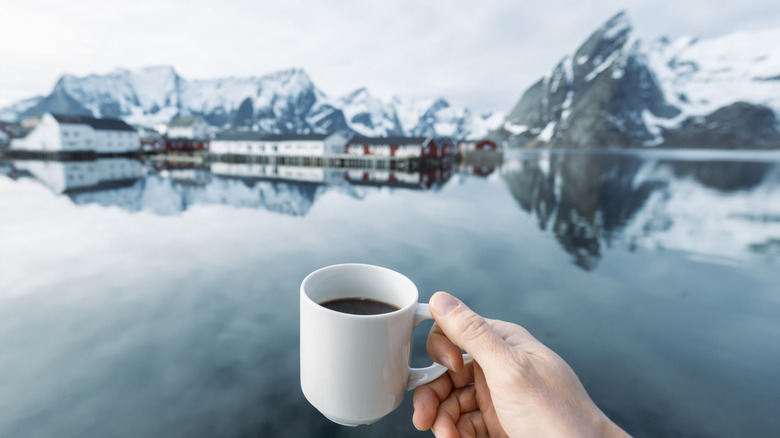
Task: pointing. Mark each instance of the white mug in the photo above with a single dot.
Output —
(355, 368)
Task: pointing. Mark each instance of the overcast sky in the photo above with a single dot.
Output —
(480, 54)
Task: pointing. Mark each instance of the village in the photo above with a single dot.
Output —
(104, 158)
(190, 138)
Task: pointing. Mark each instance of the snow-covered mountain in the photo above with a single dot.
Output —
(281, 102)
(617, 91)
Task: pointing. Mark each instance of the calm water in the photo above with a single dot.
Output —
(155, 301)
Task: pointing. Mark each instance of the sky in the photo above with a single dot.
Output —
(481, 55)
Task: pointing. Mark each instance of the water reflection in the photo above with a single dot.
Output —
(182, 321)
(592, 201)
(170, 188)
(724, 209)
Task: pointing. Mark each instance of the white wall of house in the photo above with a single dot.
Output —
(76, 137)
(335, 144)
(307, 148)
(242, 147)
(198, 129)
(45, 137)
(116, 142)
(403, 151)
(220, 146)
(52, 136)
(301, 148)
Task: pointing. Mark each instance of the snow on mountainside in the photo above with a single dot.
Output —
(617, 91)
(700, 76)
(282, 102)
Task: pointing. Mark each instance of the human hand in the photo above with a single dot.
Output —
(515, 386)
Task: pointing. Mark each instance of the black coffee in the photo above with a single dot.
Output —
(359, 306)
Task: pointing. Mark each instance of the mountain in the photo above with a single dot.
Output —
(617, 91)
(281, 102)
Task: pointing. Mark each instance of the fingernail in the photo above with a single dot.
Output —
(437, 433)
(443, 303)
(444, 360)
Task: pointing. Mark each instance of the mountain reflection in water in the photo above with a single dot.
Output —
(588, 201)
(169, 188)
(158, 299)
(592, 201)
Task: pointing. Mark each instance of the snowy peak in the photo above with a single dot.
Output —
(615, 91)
(744, 66)
(368, 115)
(282, 102)
(605, 47)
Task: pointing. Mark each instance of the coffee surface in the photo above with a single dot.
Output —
(359, 306)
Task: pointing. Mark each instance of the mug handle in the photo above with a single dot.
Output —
(421, 376)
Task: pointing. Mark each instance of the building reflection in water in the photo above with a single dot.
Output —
(168, 188)
(716, 209)
(724, 210)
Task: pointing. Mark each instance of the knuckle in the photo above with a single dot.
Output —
(473, 327)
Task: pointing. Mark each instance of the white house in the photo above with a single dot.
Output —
(399, 147)
(65, 133)
(238, 143)
(191, 127)
(306, 145)
(253, 143)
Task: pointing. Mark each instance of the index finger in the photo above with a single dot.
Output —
(442, 350)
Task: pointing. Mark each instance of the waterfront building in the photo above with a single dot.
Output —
(72, 134)
(401, 147)
(301, 145)
(190, 128)
(484, 145)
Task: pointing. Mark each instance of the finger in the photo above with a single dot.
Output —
(442, 350)
(489, 417)
(426, 401)
(472, 425)
(464, 377)
(460, 401)
(466, 329)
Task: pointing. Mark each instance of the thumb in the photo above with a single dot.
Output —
(464, 327)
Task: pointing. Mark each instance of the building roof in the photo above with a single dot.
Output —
(97, 124)
(294, 137)
(239, 136)
(256, 136)
(395, 141)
